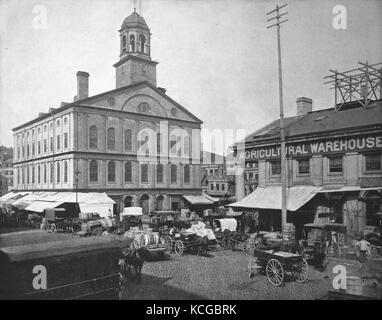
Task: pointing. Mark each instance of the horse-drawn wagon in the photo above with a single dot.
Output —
(275, 264)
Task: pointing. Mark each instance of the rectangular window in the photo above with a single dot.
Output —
(65, 140)
(217, 187)
(39, 147)
(275, 167)
(212, 186)
(45, 146)
(373, 161)
(51, 144)
(33, 149)
(303, 166)
(335, 164)
(144, 173)
(223, 187)
(58, 142)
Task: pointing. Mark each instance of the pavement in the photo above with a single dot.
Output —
(224, 275)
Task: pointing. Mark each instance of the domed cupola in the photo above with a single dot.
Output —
(135, 36)
(135, 64)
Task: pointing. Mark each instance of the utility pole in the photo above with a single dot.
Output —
(277, 17)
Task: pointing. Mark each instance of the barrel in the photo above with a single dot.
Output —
(145, 240)
(353, 285)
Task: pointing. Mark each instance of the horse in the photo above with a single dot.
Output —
(135, 258)
(201, 245)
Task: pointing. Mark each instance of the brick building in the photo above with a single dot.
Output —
(333, 166)
(134, 142)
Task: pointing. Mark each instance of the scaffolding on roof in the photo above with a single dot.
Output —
(362, 84)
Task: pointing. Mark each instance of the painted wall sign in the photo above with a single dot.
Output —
(315, 148)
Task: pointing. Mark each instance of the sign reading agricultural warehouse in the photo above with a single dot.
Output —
(315, 148)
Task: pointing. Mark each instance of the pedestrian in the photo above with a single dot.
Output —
(364, 247)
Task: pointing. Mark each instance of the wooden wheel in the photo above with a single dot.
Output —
(300, 271)
(275, 272)
(168, 241)
(249, 246)
(179, 247)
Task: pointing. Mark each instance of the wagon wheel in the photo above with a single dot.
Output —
(168, 241)
(249, 246)
(300, 271)
(179, 247)
(97, 232)
(275, 272)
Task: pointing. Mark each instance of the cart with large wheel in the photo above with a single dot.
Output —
(275, 264)
(190, 242)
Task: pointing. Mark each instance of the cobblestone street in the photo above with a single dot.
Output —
(221, 275)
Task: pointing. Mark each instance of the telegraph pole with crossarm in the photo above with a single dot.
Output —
(277, 24)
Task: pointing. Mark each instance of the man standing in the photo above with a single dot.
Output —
(364, 246)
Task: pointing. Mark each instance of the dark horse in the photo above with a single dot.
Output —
(135, 258)
(200, 245)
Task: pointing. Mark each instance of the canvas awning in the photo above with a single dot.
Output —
(340, 188)
(270, 198)
(131, 211)
(40, 206)
(198, 200)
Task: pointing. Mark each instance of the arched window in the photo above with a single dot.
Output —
(93, 137)
(160, 173)
(111, 138)
(144, 203)
(93, 171)
(173, 173)
(128, 202)
(33, 170)
(45, 173)
(144, 107)
(159, 204)
(132, 43)
(186, 175)
(124, 43)
(128, 140)
(128, 171)
(142, 41)
(145, 172)
(38, 174)
(111, 171)
(58, 172)
(28, 175)
(65, 171)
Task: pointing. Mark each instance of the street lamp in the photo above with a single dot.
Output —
(77, 177)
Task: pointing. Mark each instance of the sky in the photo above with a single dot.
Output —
(216, 57)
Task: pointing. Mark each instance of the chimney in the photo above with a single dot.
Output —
(82, 85)
(304, 105)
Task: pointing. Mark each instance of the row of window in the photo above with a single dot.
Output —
(128, 172)
(373, 162)
(175, 142)
(28, 174)
(218, 186)
(30, 149)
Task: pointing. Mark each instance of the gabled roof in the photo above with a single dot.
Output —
(89, 99)
(143, 83)
(349, 117)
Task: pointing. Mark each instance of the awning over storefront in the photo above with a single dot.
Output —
(213, 199)
(40, 206)
(198, 200)
(339, 188)
(270, 198)
(94, 202)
